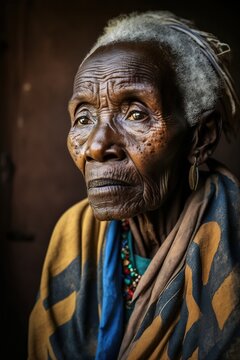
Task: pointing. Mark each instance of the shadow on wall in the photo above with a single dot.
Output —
(42, 44)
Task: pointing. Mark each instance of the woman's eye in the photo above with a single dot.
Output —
(82, 120)
(136, 115)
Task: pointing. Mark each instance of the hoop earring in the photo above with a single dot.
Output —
(193, 175)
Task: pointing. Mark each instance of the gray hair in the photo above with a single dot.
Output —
(200, 60)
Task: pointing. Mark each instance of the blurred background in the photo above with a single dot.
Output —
(41, 46)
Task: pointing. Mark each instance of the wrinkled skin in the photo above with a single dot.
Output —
(129, 138)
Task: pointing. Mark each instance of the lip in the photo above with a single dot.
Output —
(106, 182)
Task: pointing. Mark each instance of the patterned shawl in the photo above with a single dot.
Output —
(187, 303)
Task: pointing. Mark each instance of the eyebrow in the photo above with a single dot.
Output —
(120, 89)
(80, 97)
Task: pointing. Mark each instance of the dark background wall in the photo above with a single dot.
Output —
(42, 43)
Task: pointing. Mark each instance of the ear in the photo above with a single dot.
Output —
(206, 136)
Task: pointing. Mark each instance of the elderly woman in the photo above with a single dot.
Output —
(148, 266)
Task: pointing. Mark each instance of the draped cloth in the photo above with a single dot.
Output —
(187, 303)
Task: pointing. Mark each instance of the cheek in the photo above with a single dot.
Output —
(75, 151)
(149, 155)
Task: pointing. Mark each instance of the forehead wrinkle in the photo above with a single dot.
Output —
(84, 87)
(105, 79)
(135, 86)
(117, 71)
(104, 95)
(84, 96)
(115, 74)
(116, 91)
(105, 68)
(116, 85)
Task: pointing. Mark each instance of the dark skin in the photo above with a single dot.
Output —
(131, 142)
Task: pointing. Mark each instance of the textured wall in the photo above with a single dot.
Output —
(42, 43)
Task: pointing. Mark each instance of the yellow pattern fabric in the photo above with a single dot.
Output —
(78, 236)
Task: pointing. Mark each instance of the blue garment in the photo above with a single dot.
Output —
(112, 318)
(111, 323)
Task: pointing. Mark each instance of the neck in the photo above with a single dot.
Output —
(151, 229)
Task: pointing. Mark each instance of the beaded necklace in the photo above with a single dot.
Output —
(130, 275)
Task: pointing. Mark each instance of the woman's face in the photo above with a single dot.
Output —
(128, 146)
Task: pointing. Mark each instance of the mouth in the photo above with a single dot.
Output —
(100, 183)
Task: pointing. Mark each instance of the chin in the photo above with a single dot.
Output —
(122, 211)
(105, 215)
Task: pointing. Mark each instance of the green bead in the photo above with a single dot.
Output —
(127, 281)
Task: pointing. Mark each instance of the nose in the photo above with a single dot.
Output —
(104, 144)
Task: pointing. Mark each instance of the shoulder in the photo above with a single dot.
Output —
(74, 213)
(76, 230)
(75, 219)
